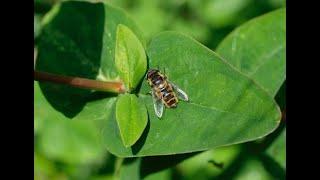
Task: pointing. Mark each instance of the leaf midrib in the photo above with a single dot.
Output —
(206, 107)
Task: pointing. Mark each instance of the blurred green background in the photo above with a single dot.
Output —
(71, 150)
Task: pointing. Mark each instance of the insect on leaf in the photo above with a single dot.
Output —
(227, 107)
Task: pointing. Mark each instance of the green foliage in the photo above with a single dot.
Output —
(226, 107)
(277, 150)
(130, 170)
(64, 140)
(219, 13)
(132, 118)
(266, 34)
(231, 91)
(209, 163)
(253, 169)
(130, 57)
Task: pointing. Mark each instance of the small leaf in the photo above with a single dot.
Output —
(132, 118)
(130, 57)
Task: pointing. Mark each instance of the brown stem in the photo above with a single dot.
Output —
(116, 87)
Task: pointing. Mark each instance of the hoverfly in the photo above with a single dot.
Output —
(163, 92)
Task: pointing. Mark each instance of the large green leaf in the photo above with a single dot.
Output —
(257, 48)
(225, 106)
(78, 39)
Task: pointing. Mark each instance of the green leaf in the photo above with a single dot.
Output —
(78, 39)
(209, 164)
(219, 13)
(257, 48)
(277, 3)
(132, 169)
(43, 166)
(253, 169)
(132, 118)
(64, 140)
(225, 106)
(130, 57)
(152, 15)
(277, 150)
(36, 26)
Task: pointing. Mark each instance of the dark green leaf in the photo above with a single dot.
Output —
(257, 48)
(132, 118)
(225, 106)
(132, 169)
(277, 3)
(78, 39)
(130, 57)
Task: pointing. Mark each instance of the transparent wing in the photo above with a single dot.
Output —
(181, 94)
(157, 104)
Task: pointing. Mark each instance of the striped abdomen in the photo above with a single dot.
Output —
(168, 96)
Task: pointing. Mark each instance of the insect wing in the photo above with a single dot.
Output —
(181, 94)
(157, 104)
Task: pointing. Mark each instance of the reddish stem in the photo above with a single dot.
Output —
(116, 87)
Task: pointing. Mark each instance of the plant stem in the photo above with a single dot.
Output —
(116, 87)
(117, 166)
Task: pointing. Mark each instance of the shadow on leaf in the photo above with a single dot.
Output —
(154, 164)
(139, 144)
(71, 46)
